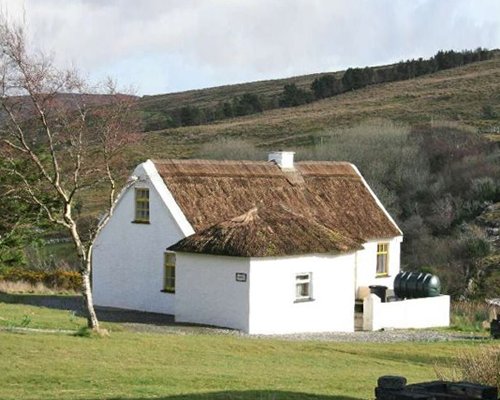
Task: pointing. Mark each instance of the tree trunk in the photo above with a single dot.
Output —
(92, 321)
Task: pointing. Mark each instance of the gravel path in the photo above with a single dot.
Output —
(385, 336)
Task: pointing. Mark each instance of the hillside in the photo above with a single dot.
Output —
(458, 94)
(415, 141)
(212, 96)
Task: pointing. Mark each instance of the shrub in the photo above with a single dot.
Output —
(488, 112)
(479, 365)
(469, 316)
(67, 280)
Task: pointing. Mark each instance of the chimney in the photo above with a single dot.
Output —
(284, 159)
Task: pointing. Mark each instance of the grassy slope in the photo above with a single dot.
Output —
(33, 317)
(210, 97)
(199, 366)
(454, 95)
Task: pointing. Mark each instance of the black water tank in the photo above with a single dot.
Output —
(411, 285)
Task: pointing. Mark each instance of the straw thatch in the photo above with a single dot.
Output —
(329, 193)
(265, 232)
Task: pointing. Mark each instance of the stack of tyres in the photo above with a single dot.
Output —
(413, 285)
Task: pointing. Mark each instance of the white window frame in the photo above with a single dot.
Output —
(303, 278)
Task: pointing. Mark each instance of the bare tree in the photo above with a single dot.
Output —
(57, 142)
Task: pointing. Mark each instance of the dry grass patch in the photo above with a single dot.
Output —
(477, 365)
(470, 316)
(27, 287)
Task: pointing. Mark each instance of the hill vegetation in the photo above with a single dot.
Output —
(467, 95)
(428, 146)
(160, 113)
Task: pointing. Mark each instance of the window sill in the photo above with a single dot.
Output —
(168, 291)
(141, 222)
(382, 276)
(303, 300)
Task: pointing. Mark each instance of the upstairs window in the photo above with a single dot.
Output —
(303, 287)
(382, 259)
(141, 205)
(169, 273)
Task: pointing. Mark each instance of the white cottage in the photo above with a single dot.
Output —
(264, 247)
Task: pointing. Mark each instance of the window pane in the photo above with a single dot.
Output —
(303, 286)
(169, 273)
(303, 289)
(142, 204)
(170, 259)
(382, 258)
(381, 263)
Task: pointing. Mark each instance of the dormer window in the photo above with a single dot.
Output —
(141, 205)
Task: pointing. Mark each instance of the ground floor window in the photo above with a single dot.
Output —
(169, 273)
(303, 286)
(382, 259)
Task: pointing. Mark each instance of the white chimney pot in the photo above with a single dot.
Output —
(283, 158)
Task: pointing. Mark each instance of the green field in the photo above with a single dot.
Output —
(133, 365)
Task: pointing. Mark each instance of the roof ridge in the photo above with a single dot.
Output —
(206, 161)
(236, 162)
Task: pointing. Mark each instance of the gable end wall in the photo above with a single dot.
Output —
(128, 257)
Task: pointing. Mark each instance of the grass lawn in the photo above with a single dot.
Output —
(34, 317)
(194, 366)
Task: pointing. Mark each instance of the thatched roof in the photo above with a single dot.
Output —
(331, 194)
(265, 232)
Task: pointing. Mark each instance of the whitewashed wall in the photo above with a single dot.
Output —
(207, 291)
(366, 264)
(128, 257)
(426, 312)
(273, 309)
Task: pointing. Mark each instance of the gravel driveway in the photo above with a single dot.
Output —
(385, 336)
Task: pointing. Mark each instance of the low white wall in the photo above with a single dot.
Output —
(273, 306)
(207, 291)
(426, 312)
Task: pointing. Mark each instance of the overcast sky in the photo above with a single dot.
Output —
(161, 46)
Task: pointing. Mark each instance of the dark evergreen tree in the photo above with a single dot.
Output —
(248, 103)
(356, 78)
(325, 86)
(228, 109)
(293, 96)
(190, 115)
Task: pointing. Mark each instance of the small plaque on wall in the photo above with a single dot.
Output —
(241, 277)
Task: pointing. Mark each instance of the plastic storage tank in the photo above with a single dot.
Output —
(412, 285)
